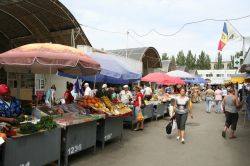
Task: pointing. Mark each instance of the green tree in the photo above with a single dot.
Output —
(231, 65)
(203, 61)
(172, 63)
(190, 61)
(208, 62)
(180, 59)
(219, 61)
(164, 56)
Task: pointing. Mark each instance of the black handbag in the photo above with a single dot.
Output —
(143, 105)
(169, 127)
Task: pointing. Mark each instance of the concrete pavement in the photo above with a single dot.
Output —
(204, 145)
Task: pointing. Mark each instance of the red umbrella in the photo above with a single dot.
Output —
(177, 80)
(162, 78)
(44, 58)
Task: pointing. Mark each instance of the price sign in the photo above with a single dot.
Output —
(108, 137)
(74, 149)
(25, 164)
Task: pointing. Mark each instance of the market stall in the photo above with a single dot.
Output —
(78, 128)
(48, 58)
(112, 125)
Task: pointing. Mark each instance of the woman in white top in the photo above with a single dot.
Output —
(218, 99)
(181, 112)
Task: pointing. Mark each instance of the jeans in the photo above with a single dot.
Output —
(209, 103)
(218, 106)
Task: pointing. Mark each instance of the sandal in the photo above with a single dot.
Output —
(136, 129)
(232, 137)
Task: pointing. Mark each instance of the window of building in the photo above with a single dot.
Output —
(27, 80)
(12, 80)
(209, 75)
(40, 83)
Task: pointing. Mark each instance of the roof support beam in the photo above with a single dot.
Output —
(17, 20)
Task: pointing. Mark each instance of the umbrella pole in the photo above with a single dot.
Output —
(95, 82)
(50, 81)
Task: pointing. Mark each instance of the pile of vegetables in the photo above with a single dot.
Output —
(46, 123)
(28, 128)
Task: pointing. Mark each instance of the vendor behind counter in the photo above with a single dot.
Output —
(105, 91)
(10, 107)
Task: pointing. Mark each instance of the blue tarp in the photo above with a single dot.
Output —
(113, 70)
(199, 80)
(196, 80)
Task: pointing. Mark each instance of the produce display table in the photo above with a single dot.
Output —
(78, 133)
(109, 128)
(159, 110)
(33, 150)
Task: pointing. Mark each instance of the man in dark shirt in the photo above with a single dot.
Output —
(105, 91)
(243, 93)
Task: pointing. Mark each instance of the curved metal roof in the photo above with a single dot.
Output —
(31, 21)
(148, 55)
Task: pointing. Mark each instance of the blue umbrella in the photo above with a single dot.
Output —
(199, 80)
(113, 70)
(189, 80)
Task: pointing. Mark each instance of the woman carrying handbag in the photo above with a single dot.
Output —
(181, 109)
(138, 110)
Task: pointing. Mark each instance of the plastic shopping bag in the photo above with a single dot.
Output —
(190, 104)
(140, 117)
(174, 126)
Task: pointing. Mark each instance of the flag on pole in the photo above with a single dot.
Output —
(228, 33)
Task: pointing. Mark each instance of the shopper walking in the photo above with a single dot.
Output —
(50, 96)
(218, 99)
(138, 102)
(230, 104)
(209, 98)
(181, 112)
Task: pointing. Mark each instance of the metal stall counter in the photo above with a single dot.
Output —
(147, 111)
(39, 148)
(78, 133)
(109, 128)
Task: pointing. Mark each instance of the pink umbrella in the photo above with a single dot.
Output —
(44, 58)
(162, 78)
(177, 80)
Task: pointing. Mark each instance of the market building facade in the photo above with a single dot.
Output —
(148, 56)
(216, 76)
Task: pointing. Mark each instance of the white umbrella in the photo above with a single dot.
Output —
(181, 74)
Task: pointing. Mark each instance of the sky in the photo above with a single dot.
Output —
(166, 16)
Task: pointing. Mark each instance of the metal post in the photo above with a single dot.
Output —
(73, 38)
(127, 45)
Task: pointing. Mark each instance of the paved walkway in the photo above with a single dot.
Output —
(204, 145)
